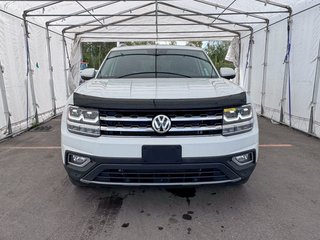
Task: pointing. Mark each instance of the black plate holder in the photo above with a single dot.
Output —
(161, 154)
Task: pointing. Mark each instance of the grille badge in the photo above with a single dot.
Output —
(161, 124)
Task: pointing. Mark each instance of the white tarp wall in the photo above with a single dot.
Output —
(13, 58)
(303, 62)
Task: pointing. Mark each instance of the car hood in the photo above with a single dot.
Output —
(159, 88)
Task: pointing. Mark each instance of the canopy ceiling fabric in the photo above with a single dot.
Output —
(154, 20)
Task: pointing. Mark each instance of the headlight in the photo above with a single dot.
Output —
(237, 120)
(83, 121)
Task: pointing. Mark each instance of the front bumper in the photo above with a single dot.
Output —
(134, 172)
(121, 158)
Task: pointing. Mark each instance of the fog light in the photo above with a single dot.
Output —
(243, 159)
(78, 161)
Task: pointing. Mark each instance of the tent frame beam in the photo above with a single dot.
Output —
(183, 38)
(276, 4)
(215, 18)
(157, 13)
(132, 15)
(286, 78)
(232, 10)
(114, 22)
(84, 8)
(30, 74)
(168, 14)
(205, 24)
(51, 80)
(82, 11)
(223, 10)
(65, 68)
(160, 24)
(152, 32)
(104, 18)
(41, 6)
(264, 74)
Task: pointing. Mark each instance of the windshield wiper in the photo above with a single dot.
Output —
(137, 73)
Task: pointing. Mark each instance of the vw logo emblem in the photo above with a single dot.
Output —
(161, 124)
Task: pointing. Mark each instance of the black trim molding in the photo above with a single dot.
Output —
(141, 104)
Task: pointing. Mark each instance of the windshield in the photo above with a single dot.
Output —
(157, 63)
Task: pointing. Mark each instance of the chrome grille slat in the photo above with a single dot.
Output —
(139, 123)
(126, 119)
(145, 119)
(194, 129)
(173, 129)
(128, 129)
(208, 118)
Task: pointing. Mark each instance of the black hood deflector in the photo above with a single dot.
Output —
(174, 104)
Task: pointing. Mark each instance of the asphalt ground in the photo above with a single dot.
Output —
(280, 201)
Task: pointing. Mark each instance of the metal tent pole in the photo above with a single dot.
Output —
(250, 62)
(51, 81)
(238, 67)
(4, 101)
(315, 94)
(265, 64)
(162, 32)
(133, 15)
(64, 48)
(41, 6)
(286, 79)
(157, 26)
(114, 22)
(202, 23)
(249, 28)
(276, 4)
(224, 21)
(224, 9)
(30, 74)
(232, 9)
(104, 18)
(160, 24)
(82, 11)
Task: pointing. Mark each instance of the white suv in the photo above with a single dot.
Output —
(159, 115)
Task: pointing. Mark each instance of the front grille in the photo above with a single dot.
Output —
(133, 123)
(159, 176)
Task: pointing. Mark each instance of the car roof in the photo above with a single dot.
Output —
(157, 47)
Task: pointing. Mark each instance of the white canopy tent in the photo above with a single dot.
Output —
(279, 50)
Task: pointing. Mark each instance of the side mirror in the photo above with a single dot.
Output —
(88, 73)
(227, 73)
